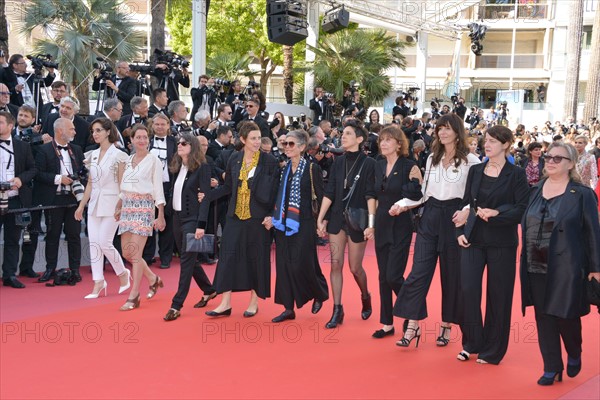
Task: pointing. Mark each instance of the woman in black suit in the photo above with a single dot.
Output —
(533, 163)
(396, 176)
(495, 198)
(299, 276)
(190, 176)
(252, 179)
(354, 167)
(559, 252)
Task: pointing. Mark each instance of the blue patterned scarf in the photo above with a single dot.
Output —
(290, 222)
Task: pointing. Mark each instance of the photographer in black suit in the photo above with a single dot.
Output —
(59, 164)
(322, 106)
(69, 107)
(20, 82)
(59, 90)
(203, 97)
(120, 85)
(170, 78)
(18, 169)
(161, 101)
(236, 99)
(252, 109)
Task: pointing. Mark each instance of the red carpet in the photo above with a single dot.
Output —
(56, 345)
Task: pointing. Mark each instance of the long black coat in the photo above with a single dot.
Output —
(573, 253)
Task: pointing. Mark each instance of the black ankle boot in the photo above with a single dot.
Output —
(337, 318)
(367, 310)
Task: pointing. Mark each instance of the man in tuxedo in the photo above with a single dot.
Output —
(26, 120)
(20, 82)
(59, 90)
(5, 101)
(164, 146)
(224, 115)
(203, 97)
(57, 163)
(321, 106)
(18, 170)
(252, 108)
(201, 122)
(178, 113)
(222, 141)
(236, 100)
(68, 109)
(113, 110)
(161, 101)
(120, 85)
(139, 114)
(171, 79)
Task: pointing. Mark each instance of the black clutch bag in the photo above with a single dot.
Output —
(204, 245)
(592, 292)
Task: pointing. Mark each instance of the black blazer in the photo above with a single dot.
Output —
(197, 181)
(263, 185)
(572, 255)
(509, 197)
(82, 129)
(45, 111)
(397, 185)
(365, 189)
(153, 110)
(48, 166)
(172, 83)
(25, 169)
(10, 79)
(127, 90)
(14, 110)
(171, 146)
(214, 149)
(262, 125)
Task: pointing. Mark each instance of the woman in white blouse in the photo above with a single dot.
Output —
(141, 191)
(443, 188)
(101, 196)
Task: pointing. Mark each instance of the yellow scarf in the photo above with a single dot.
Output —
(242, 205)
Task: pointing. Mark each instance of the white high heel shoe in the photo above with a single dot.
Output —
(96, 295)
(128, 285)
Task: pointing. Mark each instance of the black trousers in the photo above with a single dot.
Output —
(189, 268)
(391, 261)
(435, 239)
(57, 218)
(552, 329)
(489, 339)
(12, 235)
(165, 238)
(29, 249)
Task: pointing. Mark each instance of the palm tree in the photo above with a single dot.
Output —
(592, 93)
(288, 76)
(574, 35)
(77, 32)
(3, 27)
(229, 66)
(358, 55)
(158, 10)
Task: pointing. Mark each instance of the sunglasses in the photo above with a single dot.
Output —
(555, 159)
(249, 106)
(182, 143)
(291, 145)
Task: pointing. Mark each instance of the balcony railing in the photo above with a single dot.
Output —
(508, 9)
(503, 61)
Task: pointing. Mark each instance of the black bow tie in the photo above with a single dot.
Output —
(3, 109)
(62, 147)
(21, 75)
(118, 79)
(5, 141)
(160, 138)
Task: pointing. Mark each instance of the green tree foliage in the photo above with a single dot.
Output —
(179, 21)
(229, 66)
(78, 31)
(360, 55)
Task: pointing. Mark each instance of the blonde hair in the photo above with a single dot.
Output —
(573, 155)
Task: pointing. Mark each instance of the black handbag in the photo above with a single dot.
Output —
(356, 218)
(206, 244)
(417, 214)
(592, 292)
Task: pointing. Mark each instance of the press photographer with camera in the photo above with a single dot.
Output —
(203, 97)
(26, 131)
(21, 83)
(178, 113)
(59, 182)
(119, 85)
(352, 102)
(171, 71)
(236, 99)
(59, 90)
(322, 105)
(17, 172)
(474, 118)
(404, 106)
(459, 107)
(252, 109)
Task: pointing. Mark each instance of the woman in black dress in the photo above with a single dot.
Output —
(495, 198)
(352, 168)
(559, 253)
(252, 179)
(299, 277)
(396, 176)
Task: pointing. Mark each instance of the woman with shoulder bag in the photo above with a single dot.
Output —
(299, 278)
(349, 197)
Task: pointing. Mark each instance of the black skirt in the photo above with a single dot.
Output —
(244, 260)
(299, 277)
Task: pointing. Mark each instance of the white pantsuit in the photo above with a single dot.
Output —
(102, 225)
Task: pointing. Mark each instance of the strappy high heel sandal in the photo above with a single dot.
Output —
(130, 304)
(405, 342)
(443, 339)
(154, 287)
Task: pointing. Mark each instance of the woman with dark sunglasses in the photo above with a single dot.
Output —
(191, 175)
(351, 170)
(559, 253)
(299, 277)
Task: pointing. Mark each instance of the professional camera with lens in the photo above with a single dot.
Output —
(42, 60)
(171, 59)
(104, 68)
(144, 68)
(222, 82)
(279, 155)
(324, 148)
(4, 188)
(29, 136)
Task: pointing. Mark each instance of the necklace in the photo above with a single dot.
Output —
(348, 172)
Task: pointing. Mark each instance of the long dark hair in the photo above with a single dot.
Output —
(455, 123)
(195, 159)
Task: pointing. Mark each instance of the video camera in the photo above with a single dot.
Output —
(40, 61)
(29, 136)
(104, 68)
(410, 94)
(143, 67)
(171, 59)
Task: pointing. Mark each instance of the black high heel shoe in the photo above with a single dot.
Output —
(545, 381)
(367, 310)
(337, 318)
(442, 340)
(405, 342)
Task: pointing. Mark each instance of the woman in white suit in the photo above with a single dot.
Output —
(102, 195)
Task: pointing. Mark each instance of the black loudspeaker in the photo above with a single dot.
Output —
(336, 21)
(286, 21)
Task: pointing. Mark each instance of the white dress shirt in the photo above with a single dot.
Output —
(65, 168)
(177, 189)
(159, 149)
(7, 165)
